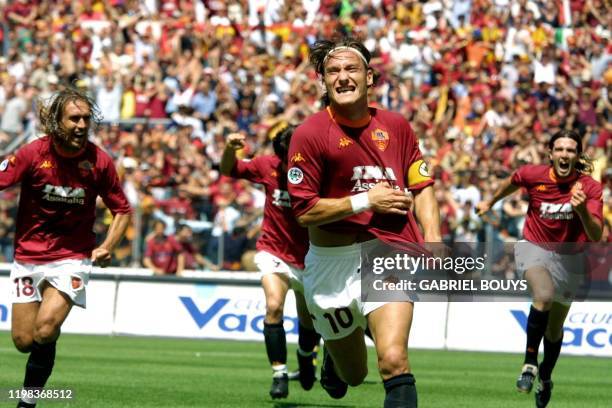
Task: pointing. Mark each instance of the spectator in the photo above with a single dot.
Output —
(162, 251)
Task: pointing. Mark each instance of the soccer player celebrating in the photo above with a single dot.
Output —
(351, 167)
(565, 206)
(61, 175)
(280, 258)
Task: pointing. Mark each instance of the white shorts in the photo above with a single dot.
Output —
(332, 289)
(69, 276)
(268, 264)
(566, 270)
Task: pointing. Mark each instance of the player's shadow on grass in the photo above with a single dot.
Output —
(306, 405)
(287, 404)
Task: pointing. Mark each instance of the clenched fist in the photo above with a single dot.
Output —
(235, 141)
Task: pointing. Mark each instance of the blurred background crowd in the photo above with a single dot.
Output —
(483, 83)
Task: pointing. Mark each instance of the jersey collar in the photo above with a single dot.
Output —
(553, 177)
(364, 121)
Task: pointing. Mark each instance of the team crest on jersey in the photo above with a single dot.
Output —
(344, 142)
(541, 187)
(296, 158)
(295, 175)
(46, 164)
(85, 165)
(273, 173)
(381, 139)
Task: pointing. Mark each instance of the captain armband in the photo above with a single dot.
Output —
(418, 173)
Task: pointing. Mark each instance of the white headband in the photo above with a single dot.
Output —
(345, 48)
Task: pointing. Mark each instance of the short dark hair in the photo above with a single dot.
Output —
(320, 50)
(281, 142)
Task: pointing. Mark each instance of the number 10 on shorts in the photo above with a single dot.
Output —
(341, 317)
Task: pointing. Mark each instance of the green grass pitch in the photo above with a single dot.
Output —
(125, 372)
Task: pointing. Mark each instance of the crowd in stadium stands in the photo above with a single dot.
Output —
(484, 84)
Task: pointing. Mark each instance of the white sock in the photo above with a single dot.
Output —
(279, 370)
(28, 400)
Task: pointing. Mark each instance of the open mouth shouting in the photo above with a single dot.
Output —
(564, 167)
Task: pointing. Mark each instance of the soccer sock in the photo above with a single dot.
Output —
(551, 355)
(536, 326)
(400, 392)
(307, 340)
(39, 366)
(279, 370)
(276, 343)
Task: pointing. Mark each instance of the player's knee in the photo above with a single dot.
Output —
(274, 310)
(46, 331)
(544, 297)
(393, 361)
(23, 342)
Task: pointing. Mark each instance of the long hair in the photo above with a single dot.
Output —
(50, 112)
(584, 164)
(320, 51)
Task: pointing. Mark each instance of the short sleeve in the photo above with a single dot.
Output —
(418, 176)
(248, 169)
(14, 167)
(595, 200)
(519, 178)
(305, 168)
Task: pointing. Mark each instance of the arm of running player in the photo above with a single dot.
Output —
(382, 198)
(505, 189)
(102, 254)
(235, 142)
(592, 225)
(428, 214)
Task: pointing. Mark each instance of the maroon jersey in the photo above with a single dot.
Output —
(163, 252)
(329, 160)
(189, 252)
(550, 217)
(281, 235)
(58, 200)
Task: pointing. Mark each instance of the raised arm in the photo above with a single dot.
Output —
(235, 142)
